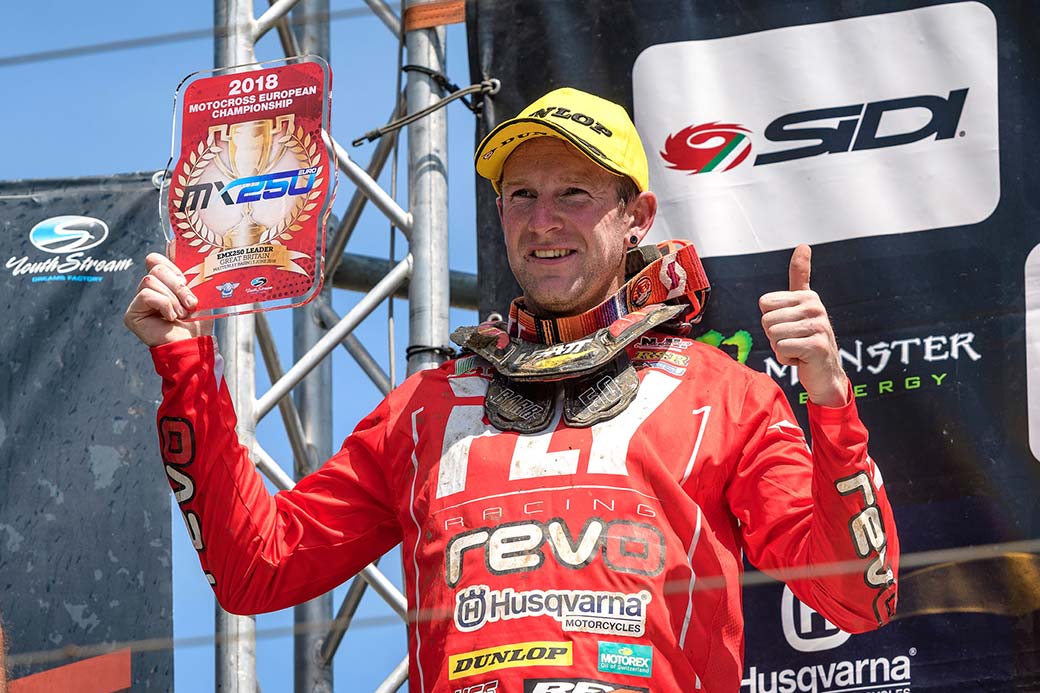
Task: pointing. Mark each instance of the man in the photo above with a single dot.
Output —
(575, 497)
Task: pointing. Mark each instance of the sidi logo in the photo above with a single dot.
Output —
(804, 629)
(858, 127)
(862, 129)
(835, 130)
(708, 147)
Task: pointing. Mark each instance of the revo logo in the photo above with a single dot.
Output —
(857, 127)
(804, 629)
(626, 547)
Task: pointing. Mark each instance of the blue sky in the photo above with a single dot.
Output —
(110, 111)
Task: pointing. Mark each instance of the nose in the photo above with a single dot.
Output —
(544, 215)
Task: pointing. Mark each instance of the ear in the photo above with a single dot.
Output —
(498, 204)
(642, 211)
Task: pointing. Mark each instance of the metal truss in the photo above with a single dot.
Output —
(318, 329)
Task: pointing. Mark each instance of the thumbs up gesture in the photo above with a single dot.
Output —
(800, 334)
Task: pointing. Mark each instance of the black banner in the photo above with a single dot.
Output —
(84, 509)
(896, 138)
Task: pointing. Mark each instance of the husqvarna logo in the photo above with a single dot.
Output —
(804, 629)
(68, 234)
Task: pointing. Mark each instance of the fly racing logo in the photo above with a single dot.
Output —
(804, 629)
(863, 129)
(587, 611)
(576, 347)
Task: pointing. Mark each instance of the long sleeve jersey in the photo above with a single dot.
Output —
(576, 560)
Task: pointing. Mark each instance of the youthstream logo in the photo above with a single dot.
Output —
(66, 238)
(878, 674)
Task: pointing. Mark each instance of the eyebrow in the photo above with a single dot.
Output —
(580, 180)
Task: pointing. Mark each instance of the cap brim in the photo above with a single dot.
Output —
(512, 133)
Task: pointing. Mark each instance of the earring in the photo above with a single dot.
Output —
(633, 240)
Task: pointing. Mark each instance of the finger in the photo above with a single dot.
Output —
(154, 301)
(165, 287)
(800, 348)
(154, 260)
(798, 272)
(776, 300)
(170, 275)
(793, 312)
(793, 330)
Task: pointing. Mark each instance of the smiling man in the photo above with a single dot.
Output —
(576, 492)
(562, 221)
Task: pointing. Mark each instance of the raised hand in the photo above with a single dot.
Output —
(163, 300)
(801, 335)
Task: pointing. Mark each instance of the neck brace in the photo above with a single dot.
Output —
(582, 359)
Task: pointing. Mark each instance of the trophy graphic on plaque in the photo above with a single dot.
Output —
(245, 202)
(249, 154)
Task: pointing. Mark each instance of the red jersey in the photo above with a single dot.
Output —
(576, 560)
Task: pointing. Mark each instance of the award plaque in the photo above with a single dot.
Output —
(246, 195)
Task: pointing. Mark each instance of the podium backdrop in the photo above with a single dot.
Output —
(898, 139)
(84, 506)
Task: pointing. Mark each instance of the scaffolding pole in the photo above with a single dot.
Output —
(428, 202)
(314, 401)
(235, 670)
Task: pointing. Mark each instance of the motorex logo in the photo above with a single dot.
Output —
(68, 234)
(625, 658)
(823, 132)
(804, 629)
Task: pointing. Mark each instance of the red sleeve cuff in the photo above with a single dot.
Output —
(168, 356)
(835, 414)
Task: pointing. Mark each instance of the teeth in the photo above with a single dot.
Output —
(554, 252)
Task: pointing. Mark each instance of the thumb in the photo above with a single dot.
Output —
(798, 273)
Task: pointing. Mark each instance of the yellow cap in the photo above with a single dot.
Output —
(599, 129)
